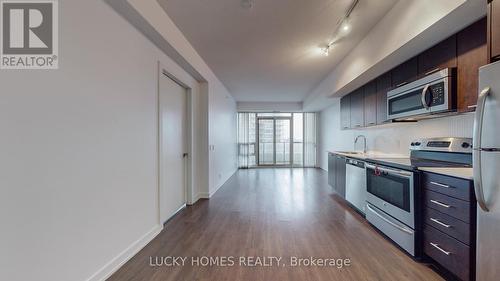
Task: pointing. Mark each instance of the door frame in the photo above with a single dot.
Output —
(257, 136)
(188, 188)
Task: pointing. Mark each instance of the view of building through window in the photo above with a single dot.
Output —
(275, 139)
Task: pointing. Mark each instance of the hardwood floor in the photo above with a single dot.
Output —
(279, 213)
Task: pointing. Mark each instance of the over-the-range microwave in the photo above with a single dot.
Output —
(433, 94)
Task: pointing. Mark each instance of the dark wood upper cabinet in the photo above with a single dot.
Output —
(440, 56)
(383, 85)
(472, 53)
(358, 108)
(466, 51)
(405, 72)
(494, 30)
(345, 112)
(370, 103)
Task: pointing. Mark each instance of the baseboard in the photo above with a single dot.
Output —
(111, 267)
(208, 195)
(222, 184)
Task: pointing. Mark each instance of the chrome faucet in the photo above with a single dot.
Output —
(356, 141)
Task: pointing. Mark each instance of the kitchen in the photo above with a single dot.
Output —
(421, 163)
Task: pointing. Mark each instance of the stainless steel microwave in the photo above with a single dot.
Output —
(432, 94)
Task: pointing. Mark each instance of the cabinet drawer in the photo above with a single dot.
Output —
(458, 188)
(448, 205)
(450, 253)
(449, 225)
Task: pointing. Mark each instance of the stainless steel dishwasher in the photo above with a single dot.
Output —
(355, 192)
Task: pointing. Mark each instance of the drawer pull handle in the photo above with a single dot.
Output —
(440, 204)
(440, 249)
(440, 184)
(440, 223)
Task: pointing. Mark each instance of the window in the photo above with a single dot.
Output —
(277, 139)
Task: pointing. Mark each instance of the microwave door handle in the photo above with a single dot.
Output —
(478, 129)
(424, 91)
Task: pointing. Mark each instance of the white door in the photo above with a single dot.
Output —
(172, 147)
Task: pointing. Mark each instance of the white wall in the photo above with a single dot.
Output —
(391, 138)
(222, 135)
(78, 146)
(222, 160)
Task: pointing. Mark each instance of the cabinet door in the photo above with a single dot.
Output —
(345, 112)
(405, 72)
(383, 85)
(370, 103)
(472, 54)
(331, 169)
(357, 108)
(494, 29)
(442, 55)
(340, 176)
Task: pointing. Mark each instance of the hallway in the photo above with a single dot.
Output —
(273, 213)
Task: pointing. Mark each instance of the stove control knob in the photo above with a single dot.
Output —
(418, 143)
(465, 145)
(412, 144)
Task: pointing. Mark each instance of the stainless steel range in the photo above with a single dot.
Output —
(392, 186)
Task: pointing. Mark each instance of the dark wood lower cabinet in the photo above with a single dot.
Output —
(336, 173)
(450, 253)
(449, 224)
(340, 168)
(331, 169)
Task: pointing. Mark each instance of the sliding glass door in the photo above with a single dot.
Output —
(274, 141)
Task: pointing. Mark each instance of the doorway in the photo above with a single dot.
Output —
(173, 148)
(274, 138)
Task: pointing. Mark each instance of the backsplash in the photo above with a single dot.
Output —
(391, 138)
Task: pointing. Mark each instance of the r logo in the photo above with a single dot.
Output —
(27, 28)
(29, 34)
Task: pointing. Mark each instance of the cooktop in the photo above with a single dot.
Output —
(415, 163)
(433, 152)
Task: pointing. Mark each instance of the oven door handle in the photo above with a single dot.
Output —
(390, 171)
(404, 229)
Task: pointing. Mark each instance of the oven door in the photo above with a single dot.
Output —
(391, 190)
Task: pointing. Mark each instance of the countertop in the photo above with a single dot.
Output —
(458, 172)
(368, 155)
(463, 173)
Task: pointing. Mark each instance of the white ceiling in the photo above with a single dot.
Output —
(270, 53)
